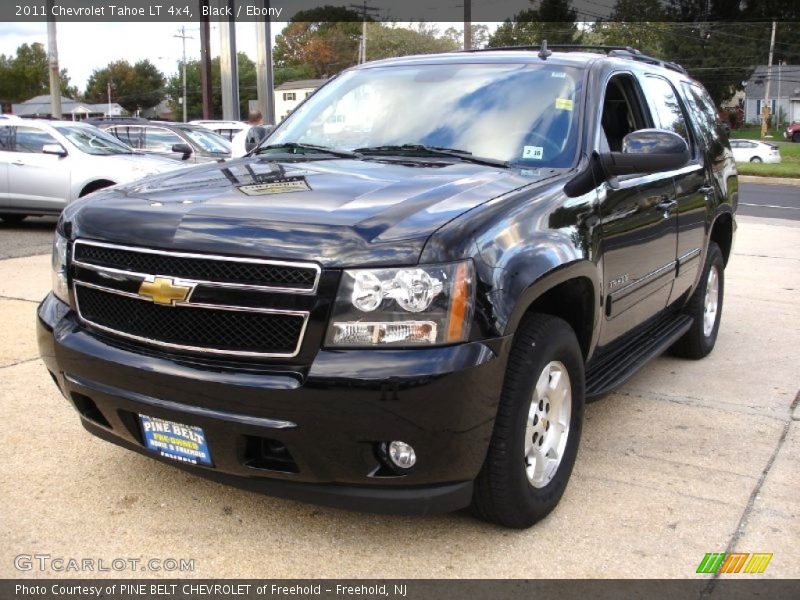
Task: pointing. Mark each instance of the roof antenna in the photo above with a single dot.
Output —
(543, 51)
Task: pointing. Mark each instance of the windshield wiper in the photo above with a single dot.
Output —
(312, 147)
(433, 150)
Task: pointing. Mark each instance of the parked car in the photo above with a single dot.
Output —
(226, 129)
(404, 308)
(793, 132)
(180, 141)
(754, 151)
(44, 165)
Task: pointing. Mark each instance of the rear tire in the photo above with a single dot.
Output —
(13, 219)
(538, 426)
(705, 306)
(796, 137)
(756, 159)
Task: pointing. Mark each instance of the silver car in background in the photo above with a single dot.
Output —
(44, 165)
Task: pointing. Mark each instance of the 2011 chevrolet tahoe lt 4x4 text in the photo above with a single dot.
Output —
(401, 299)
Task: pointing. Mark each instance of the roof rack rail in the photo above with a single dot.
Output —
(612, 51)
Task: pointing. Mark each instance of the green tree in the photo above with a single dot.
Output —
(386, 41)
(136, 87)
(480, 35)
(194, 98)
(27, 74)
(553, 20)
(323, 41)
(635, 23)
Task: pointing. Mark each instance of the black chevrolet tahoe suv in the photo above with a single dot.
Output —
(401, 299)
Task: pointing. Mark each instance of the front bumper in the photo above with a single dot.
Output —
(330, 417)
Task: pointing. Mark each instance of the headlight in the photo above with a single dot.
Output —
(423, 305)
(59, 263)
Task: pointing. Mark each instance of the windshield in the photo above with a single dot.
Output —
(524, 114)
(208, 140)
(93, 140)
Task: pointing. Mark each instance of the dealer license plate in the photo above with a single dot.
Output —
(184, 443)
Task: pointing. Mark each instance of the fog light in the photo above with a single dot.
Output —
(402, 455)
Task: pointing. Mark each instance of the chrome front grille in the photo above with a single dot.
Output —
(113, 290)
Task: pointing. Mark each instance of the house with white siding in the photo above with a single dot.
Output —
(784, 93)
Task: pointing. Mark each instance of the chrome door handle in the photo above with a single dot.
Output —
(706, 190)
(18, 163)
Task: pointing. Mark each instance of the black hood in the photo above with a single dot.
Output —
(342, 212)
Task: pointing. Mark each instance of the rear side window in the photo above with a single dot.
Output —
(6, 139)
(702, 108)
(665, 107)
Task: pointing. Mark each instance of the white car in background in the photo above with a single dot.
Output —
(44, 165)
(754, 151)
(227, 129)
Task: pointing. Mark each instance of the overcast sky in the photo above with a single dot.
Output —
(84, 47)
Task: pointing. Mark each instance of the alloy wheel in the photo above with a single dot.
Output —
(547, 427)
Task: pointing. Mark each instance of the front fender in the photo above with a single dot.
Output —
(515, 305)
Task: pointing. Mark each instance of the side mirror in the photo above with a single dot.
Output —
(643, 152)
(647, 151)
(56, 149)
(184, 149)
(256, 135)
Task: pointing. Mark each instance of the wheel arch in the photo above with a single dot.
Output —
(94, 185)
(571, 293)
(722, 230)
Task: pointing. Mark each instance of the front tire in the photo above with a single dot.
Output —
(538, 426)
(796, 137)
(705, 307)
(756, 159)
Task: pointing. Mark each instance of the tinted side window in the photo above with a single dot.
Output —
(30, 139)
(705, 115)
(160, 140)
(664, 105)
(6, 139)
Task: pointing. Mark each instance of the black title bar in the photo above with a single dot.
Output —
(389, 10)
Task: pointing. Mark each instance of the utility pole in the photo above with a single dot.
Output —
(365, 10)
(183, 38)
(467, 24)
(108, 89)
(264, 74)
(52, 59)
(766, 109)
(205, 61)
(228, 64)
(778, 116)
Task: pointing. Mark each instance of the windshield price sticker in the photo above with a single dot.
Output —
(276, 186)
(533, 152)
(564, 104)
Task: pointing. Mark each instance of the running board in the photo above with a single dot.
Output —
(615, 366)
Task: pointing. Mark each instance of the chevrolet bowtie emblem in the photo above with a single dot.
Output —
(165, 291)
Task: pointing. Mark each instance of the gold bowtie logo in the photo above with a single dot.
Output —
(165, 291)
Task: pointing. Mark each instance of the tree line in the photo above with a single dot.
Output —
(709, 38)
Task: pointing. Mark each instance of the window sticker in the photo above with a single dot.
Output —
(533, 152)
(558, 74)
(564, 104)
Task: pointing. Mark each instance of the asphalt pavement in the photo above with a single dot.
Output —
(769, 200)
